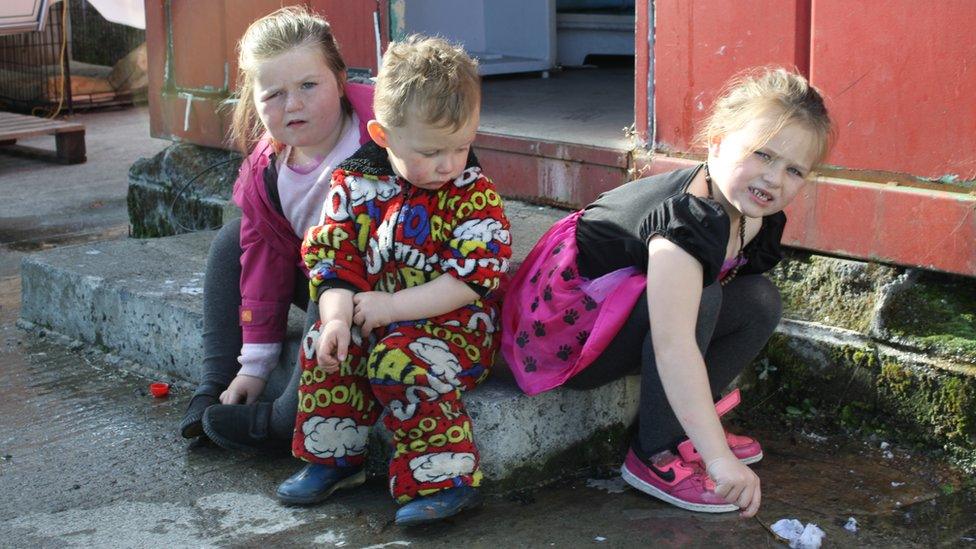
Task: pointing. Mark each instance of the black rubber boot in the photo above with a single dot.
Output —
(243, 427)
(192, 424)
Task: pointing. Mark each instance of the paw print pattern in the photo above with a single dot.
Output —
(522, 339)
(564, 351)
(539, 328)
(571, 316)
(582, 336)
(589, 303)
(547, 293)
(567, 274)
(529, 364)
(535, 304)
(557, 249)
(535, 277)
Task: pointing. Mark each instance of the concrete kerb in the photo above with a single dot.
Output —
(142, 301)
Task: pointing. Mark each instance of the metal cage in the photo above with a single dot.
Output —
(32, 65)
(66, 63)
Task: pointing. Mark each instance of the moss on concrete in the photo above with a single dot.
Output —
(936, 316)
(796, 370)
(155, 211)
(940, 406)
(831, 291)
(863, 388)
(605, 448)
(183, 188)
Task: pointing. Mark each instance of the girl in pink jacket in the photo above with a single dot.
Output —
(298, 118)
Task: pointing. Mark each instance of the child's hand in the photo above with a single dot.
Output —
(737, 483)
(372, 310)
(333, 344)
(244, 389)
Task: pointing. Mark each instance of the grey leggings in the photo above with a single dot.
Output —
(222, 337)
(734, 323)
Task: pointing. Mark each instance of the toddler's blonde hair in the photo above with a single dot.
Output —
(435, 80)
(274, 34)
(783, 95)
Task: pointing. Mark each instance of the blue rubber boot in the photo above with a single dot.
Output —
(441, 505)
(314, 483)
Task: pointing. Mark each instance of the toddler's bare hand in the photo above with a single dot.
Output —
(333, 345)
(372, 310)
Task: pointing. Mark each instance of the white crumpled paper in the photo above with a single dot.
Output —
(798, 535)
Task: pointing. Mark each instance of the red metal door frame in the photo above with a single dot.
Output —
(870, 215)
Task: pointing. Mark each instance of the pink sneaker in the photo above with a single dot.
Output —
(675, 481)
(746, 449)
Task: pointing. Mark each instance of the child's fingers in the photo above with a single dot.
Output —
(735, 494)
(723, 490)
(753, 507)
(325, 350)
(342, 345)
(745, 497)
(229, 397)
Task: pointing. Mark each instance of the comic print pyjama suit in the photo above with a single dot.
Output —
(381, 233)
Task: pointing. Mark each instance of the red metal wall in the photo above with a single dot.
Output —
(699, 44)
(899, 77)
(901, 74)
(192, 57)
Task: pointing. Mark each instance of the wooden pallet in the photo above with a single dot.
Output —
(69, 137)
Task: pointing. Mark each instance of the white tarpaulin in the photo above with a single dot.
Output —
(126, 12)
(18, 16)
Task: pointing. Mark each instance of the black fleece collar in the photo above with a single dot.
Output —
(371, 159)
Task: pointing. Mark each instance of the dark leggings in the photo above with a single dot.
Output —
(222, 337)
(734, 323)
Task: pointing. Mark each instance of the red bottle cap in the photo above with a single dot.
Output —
(159, 390)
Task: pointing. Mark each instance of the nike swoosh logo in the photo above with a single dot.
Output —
(666, 476)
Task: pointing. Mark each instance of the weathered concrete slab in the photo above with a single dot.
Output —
(182, 188)
(142, 299)
(831, 291)
(843, 378)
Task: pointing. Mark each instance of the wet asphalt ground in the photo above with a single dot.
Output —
(89, 459)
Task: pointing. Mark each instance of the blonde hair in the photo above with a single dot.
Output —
(785, 96)
(274, 34)
(430, 77)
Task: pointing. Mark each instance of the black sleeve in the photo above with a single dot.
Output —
(764, 252)
(336, 283)
(271, 184)
(697, 226)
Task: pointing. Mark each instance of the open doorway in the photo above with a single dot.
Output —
(554, 70)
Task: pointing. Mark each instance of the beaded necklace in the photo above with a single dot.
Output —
(740, 256)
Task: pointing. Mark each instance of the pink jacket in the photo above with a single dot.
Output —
(269, 243)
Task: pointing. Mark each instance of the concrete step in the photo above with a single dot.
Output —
(142, 300)
(873, 348)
